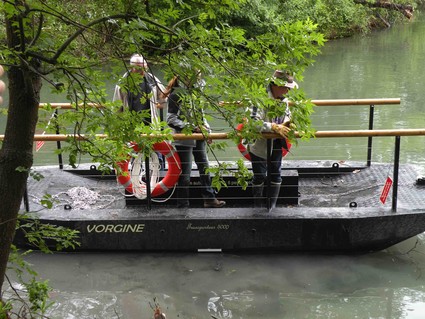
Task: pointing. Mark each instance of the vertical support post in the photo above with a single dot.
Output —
(163, 160)
(269, 164)
(26, 201)
(369, 139)
(148, 182)
(58, 143)
(395, 173)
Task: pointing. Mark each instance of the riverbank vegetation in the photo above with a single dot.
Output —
(334, 18)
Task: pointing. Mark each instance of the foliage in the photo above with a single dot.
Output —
(29, 296)
(235, 66)
(241, 173)
(42, 235)
(69, 44)
(334, 18)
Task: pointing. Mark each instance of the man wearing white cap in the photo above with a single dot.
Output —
(279, 85)
(146, 95)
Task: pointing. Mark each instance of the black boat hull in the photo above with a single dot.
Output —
(325, 230)
(322, 209)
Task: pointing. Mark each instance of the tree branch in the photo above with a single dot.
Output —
(38, 32)
(405, 9)
(83, 28)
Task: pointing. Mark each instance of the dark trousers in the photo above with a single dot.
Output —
(199, 154)
(259, 165)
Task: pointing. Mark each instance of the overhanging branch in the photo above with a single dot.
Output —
(65, 45)
(405, 9)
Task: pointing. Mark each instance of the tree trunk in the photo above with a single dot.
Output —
(17, 148)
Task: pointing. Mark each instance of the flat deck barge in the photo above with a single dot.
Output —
(323, 207)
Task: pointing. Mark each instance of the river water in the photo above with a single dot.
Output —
(386, 284)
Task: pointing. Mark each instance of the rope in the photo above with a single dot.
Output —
(80, 197)
(138, 173)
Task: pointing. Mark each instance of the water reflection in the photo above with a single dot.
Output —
(387, 284)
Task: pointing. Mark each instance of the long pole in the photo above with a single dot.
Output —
(333, 102)
(223, 136)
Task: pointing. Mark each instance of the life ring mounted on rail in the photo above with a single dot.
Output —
(168, 182)
(244, 151)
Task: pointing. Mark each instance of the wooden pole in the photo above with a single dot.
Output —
(337, 102)
(356, 102)
(223, 136)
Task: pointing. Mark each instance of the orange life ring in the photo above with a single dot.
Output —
(170, 179)
(242, 148)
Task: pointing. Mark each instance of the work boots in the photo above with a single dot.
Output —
(257, 193)
(274, 194)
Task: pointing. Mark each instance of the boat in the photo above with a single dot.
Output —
(323, 206)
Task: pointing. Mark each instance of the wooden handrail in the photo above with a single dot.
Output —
(386, 101)
(336, 102)
(66, 105)
(223, 136)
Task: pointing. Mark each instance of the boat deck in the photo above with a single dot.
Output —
(330, 206)
(309, 184)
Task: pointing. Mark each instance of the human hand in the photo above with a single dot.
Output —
(197, 129)
(160, 105)
(280, 129)
(200, 129)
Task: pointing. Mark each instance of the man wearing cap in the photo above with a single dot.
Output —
(139, 94)
(145, 95)
(279, 85)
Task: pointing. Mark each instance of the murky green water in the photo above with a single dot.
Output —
(386, 64)
(387, 284)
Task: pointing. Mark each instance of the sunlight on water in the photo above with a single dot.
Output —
(386, 284)
(83, 305)
(415, 306)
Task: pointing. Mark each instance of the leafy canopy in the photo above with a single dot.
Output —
(80, 48)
